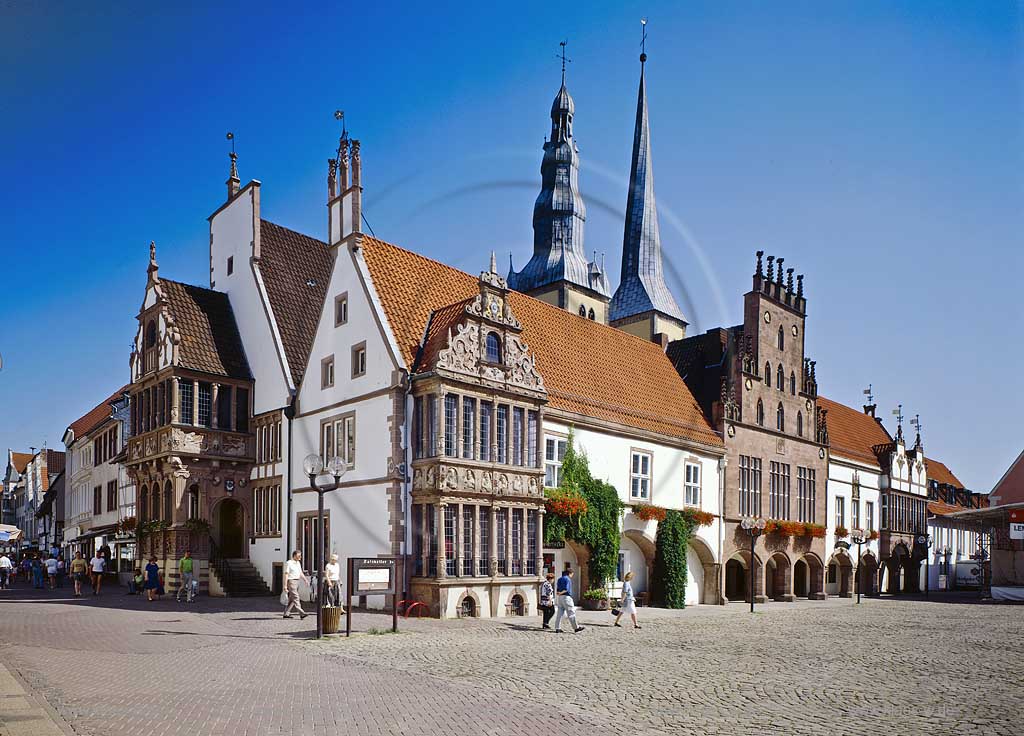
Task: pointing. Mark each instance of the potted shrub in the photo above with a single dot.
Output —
(842, 532)
(595, 599)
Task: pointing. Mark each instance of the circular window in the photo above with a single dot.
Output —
(767, 317)
(821, 453)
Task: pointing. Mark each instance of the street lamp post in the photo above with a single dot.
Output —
(754, 526)
(925, 540)
(314, 467)
(858, 537)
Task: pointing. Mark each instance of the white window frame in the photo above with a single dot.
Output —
(553, 461)
(840, 511)
(334, 435)
(692, 484)
(639, 479)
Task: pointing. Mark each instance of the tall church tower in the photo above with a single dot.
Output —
(643, 304)
(559, 272)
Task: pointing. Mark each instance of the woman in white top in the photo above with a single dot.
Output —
(628, 601)
(332, 575)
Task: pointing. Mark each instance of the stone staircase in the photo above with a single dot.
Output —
(239, 578)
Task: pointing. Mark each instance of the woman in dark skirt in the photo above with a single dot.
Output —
(152, 578)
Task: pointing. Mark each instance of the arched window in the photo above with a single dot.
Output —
(780, 379)
(760, 413)
(150, 334)
(780, 418)
(782, 339)
(792, 383)
(468, 607)
(143, 503)
(583, 313)
(154, 503)
(493, 347)
(193, 502)
(590, 314)
(768, 374)
(800, 423)
(168, 502)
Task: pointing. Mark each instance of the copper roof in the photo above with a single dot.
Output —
(95, 416)
(852, 433)
(296, 271)
(940, 473)
(210, 342)
(588, 368)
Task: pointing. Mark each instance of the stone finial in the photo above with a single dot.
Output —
(343, 162)
(760, 269)
(332, 177)
(494, 263)
(789, 280)
(771, 268)
(779, 263)
(800, 286)
(357, 165)
(153, 269)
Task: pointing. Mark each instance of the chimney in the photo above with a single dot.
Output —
(662, 339)
(869, 409)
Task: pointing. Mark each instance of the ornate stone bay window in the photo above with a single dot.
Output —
(191, 446)
(477, 511)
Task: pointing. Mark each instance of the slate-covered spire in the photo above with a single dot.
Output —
(642, 287)
(559, 214)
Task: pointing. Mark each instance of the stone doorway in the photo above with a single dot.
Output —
(229, 527)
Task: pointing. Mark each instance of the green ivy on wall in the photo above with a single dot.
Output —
(668, 584)
(597, 526)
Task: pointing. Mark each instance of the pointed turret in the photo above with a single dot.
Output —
(559, 272)
(643, 303)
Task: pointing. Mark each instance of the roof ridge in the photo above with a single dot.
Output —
(293, 230)
(519, 294)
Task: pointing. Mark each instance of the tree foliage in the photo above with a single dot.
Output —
(598, 526)
(668, 584)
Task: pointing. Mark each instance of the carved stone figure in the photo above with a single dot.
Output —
(452, 478)
(470, 480)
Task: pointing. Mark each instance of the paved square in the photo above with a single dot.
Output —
(116, 665)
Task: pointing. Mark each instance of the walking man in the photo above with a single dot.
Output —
(51, 571)
(185, 569)
(97, 563)
(564, 603)
(5, 571)
(293, 573)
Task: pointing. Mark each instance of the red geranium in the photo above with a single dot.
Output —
(647, 512)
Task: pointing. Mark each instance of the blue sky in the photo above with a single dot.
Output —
(877, 146)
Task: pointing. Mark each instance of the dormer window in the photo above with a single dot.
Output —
(591, 315)
(583, 311)
(493, 348)
(151, 334)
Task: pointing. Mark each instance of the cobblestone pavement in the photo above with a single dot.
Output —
(116, 665)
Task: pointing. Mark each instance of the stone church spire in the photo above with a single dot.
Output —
(559, 263)
(642, 290)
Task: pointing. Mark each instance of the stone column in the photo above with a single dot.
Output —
(524, 541)
(492, 543)
(508, 540)
(214, 391)
(476, 540)
(439, 532)
(195, 403)
(175, 401)
(538, 568)
(425, 539)
(439, 418)
(458, 541)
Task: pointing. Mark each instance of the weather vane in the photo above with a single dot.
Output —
(898, 413)
(562, 56)
(916, 423)
(643, 39)
(231, 137)
(871, 396)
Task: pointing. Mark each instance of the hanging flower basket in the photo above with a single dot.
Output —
(842, 532)
(873, 535)
(814, 531)
(647, 512)
(567, 505)
(698, 517)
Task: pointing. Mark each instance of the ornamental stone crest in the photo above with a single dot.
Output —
(463, 355)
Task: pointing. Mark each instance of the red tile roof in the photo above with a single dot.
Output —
(210, 342)
(939, 472)
(588, 368)
(95, 416)
(296, 272)
(851, 432)
(20, 460)
(941, 508)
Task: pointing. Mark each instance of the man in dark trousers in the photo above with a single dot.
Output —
(564, 603)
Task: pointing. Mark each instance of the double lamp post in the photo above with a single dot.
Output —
(754, 526)
(322, 483)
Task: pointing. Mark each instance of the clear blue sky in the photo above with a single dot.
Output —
(876, 145)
